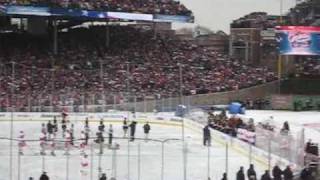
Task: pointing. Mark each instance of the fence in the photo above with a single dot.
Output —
(267, 146)
(126, 160)
(287, 145)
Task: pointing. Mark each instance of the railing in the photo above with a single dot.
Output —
(101, 102)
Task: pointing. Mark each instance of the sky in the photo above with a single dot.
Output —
(218, 14)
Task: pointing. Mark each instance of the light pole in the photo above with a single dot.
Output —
(180, 97)
(280, 57)
(11, 120)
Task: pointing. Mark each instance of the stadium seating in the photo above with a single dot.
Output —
(74, 74)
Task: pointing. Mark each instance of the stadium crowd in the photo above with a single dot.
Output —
(167, 7)
(309, 68)
(84, 70)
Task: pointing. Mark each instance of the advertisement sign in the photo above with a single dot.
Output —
(28, 10)
(269, 34)
(171, 18)
(299, 40)
(130, 16)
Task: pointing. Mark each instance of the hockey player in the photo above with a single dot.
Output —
(100, 138)
(132, 130)
(43, 142)
(110, 132)
(55, 124)
(87, 130)
(43, 129)
(83, 142)
(84, 166)
(50, 130)
(21, 142)
(125, 127)
(64, 115)
(72, 133)
(52, 146)
(101, 126)
(67, 143)
(146, 129)
(63, 127)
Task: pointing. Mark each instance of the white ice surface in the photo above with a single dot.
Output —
(31, 162)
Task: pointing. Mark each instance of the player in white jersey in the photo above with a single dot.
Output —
(21, 142)
(67, 143)
(83, 143)
(53, 146)
(43, 142)
(84, 169)
(43, 129)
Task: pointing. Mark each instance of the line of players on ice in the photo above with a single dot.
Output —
(49, 131)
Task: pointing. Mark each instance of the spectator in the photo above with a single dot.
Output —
(276, 173)
(103, 177)
(287, 173)
(266, 176)
(305, 174)
(224, 176)
(240, 174)
(44, 176)
(153, 68)
(251, 173)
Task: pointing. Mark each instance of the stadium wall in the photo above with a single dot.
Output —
(260, 91)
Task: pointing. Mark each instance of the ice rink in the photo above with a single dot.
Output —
(144, 164)
(59, 167)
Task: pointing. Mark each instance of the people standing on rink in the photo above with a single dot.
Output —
(67, 142)
(84, 170)
(206, 136)
(125, 127)
(132, 130)
(251, 173)
(64, 115)
(101, 126)
(55, 124)
(87, 131)
(146, 130)
(50, 130)
(240, 174)
(72, 134)
(43, 142)
(110, 133)
(21, 142)
(63, 127)
(53, 146)
(43, 128)
(83, 142)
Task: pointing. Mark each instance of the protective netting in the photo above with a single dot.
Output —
(287, 145)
